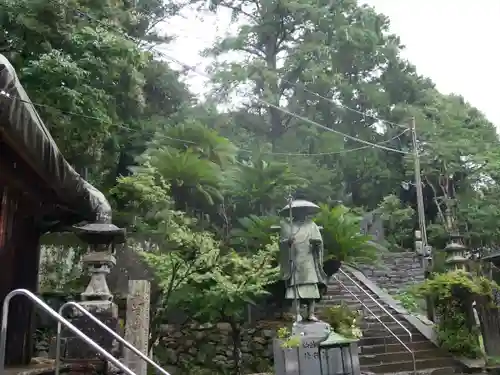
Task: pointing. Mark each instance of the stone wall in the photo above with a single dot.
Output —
(396, 271)
(210, 346)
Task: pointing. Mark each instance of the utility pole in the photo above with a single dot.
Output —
(426, 254)
(418, 185)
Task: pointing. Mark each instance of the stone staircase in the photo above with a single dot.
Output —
(380, 351)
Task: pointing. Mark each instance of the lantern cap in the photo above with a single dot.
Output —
(456, 259)
(455, 246)
(101, 233)
(334, 339)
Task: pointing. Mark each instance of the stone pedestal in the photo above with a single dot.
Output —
(137, 324)
(304, 359)
(74, 349)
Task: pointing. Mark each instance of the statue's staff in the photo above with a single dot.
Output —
(291, 240)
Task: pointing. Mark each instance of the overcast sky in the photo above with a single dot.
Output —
(452, 42)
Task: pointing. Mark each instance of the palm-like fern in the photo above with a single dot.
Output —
(189, 175)
(342, 237)
(254, 232)
(260, 186)
(202, 141)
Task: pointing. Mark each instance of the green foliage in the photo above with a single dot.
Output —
(288, 340)
(478, 213)
(454, 335)
(259, 187)
(344, 321)
(223, 293)
(409, 300)
(254, 232)
(452, 293)
(342, 237)
(191, 176)
(124, 116)
(449, 285)
(60, 264)
(140, 197)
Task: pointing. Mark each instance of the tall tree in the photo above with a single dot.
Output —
(314, 59)
(93, 84)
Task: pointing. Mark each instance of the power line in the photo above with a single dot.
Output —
(194, 69)
(302, 118)
(365, 114)
(164, 136)
(311, 122)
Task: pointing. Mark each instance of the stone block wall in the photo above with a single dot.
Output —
(395, 271)
(211, 346)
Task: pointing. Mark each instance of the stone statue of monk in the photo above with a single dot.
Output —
(301, 257)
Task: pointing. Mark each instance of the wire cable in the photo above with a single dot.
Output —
(299, 117)
(311, 122)
(163, 136)
(295, 84)
(195, 70)
(365, 114)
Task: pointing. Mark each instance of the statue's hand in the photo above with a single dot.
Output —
(315, 242)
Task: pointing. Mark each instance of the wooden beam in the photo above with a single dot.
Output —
(15, 172)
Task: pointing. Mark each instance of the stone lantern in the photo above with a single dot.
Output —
(102, 239)
(97, 298)
(456, 252)
(339, 355)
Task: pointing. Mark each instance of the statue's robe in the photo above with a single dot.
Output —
(305, 275)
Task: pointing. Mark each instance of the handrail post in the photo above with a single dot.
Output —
(37, 301)
(108, 330)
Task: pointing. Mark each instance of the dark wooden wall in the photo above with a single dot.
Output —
(19, 262)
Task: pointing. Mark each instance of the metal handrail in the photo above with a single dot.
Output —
(378, 303)
(60, 319)
(385, 326)
(107, 329)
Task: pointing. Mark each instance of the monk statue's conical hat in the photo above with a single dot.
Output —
(300, 204)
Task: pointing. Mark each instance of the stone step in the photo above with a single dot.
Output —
(380, 351)
(391, 348)
(429, 371)
(384, 332)
(384, 317)
(347, 285)
(369, 321)
(389, 339)
(390, 357)
(421, 364)
(367, 311)
(350, 299)
(376, 331)
(353, 304)
(348, 292)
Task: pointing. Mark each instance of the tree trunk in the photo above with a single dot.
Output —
(489, 319)
(236, 336)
